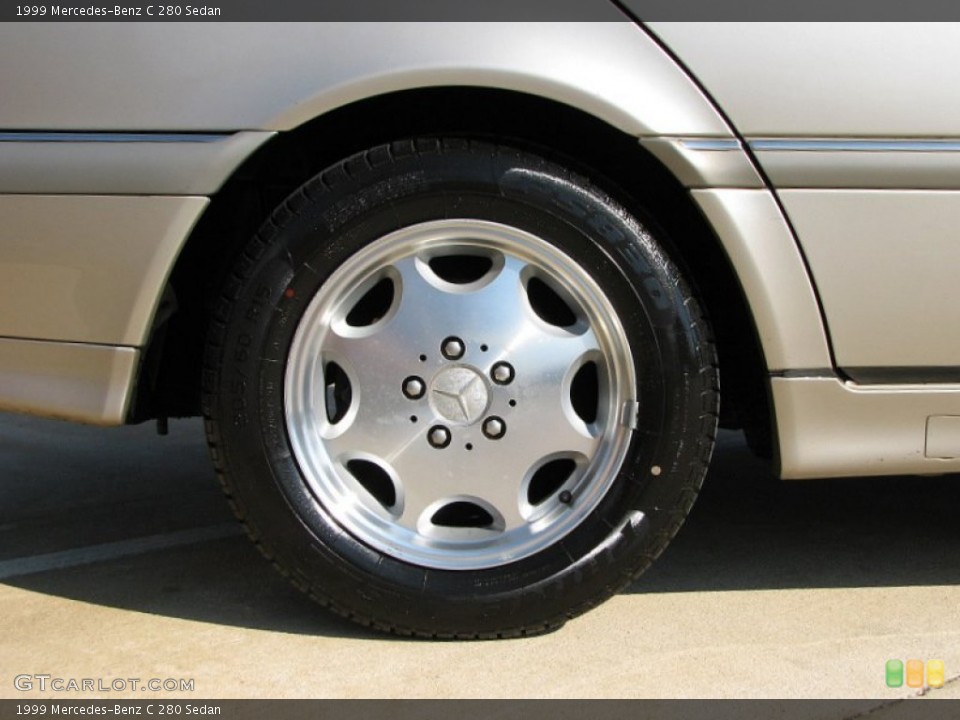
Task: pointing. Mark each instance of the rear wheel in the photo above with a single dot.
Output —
(455, 390)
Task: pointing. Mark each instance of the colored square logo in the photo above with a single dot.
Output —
(935, 673)
(915, 673)
(894, 673)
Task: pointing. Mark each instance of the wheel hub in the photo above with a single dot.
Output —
(460, 395)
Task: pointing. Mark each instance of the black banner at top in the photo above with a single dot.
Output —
(319, 11)
(477, 11)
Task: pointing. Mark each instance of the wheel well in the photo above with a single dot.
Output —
(170, 379)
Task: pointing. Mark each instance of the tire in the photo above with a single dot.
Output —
(454, 390)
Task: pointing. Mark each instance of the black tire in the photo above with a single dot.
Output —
(301, 252)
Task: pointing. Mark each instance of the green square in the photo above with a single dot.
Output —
(894, 673)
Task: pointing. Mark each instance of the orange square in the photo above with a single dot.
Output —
(915, 673)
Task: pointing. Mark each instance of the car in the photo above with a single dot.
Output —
(463, 305)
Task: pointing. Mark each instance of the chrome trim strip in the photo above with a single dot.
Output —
(806, 373)
(860, 163)
(894, 146)
(61, 164)
(111, 137)
(705, 162)
(903, 375)
(710, 144)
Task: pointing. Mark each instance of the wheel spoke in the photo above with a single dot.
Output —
(432, 310)
(544, 364)
(501, 489)
(543, 422)
(555, 434)
(427, 475)
(454, 474)
(370, 433)
(383, 354)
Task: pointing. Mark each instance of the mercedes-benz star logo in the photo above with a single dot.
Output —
(460, 395)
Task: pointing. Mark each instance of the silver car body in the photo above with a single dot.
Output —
(823, 156)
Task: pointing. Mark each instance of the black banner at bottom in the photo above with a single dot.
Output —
(486, 709)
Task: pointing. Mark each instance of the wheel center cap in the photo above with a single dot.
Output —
(460, 395)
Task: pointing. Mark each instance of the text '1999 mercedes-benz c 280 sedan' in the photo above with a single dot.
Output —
(464, 304)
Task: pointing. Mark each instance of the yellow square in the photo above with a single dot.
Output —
(935, 673)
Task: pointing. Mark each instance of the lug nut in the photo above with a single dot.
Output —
(452, 348)
(414, 388)
(438, 437)
(502, 373)
(565, 497)
(494, 428)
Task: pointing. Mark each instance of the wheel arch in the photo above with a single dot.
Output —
(169, 382)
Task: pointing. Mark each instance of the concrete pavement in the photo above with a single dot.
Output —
(119, 559)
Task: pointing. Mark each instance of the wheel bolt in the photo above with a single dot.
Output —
(452, 348)
(414, 388)
(565, 497)
(494, 428)
(502, 373)
(438, 437)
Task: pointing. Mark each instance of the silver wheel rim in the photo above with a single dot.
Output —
(459, 419)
